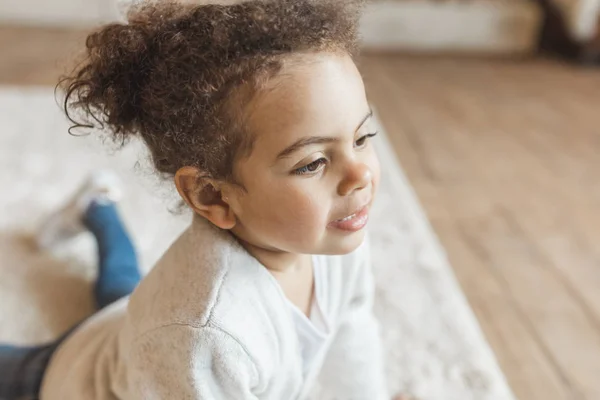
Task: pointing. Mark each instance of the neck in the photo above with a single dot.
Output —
(278, 262)
(293, 272)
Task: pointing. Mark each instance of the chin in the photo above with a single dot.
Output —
(339, 246)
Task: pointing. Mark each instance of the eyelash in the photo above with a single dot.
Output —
(306, 170)
(317, 164)
(363, 139)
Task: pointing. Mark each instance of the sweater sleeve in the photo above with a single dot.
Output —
(184, 362)
(353, 368)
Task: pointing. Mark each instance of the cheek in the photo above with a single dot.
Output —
(304, 207)
(293, 210)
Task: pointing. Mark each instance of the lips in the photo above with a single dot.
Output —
(353, 222)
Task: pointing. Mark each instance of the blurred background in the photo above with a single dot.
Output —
(492, 107)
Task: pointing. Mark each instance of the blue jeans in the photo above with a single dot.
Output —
(22, 368)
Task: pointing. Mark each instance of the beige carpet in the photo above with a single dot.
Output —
(434, 346)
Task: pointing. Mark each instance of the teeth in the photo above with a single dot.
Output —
(347, 218)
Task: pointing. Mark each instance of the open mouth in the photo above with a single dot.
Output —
(348, 217)
(353, 222)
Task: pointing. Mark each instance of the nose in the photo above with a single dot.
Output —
(357, 177)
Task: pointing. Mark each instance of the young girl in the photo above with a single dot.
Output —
(258, 113)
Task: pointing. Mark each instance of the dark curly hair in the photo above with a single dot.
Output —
(179, 75)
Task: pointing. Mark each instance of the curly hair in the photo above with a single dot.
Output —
(178, 75)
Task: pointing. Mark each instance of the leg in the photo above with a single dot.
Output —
(22, 369)
(118, 272)
(93, 208)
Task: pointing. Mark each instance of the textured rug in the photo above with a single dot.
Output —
(434, 347)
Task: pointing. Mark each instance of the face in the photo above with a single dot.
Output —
(312, 175)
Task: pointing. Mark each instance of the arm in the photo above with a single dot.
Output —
(353, 368)
(184, 362)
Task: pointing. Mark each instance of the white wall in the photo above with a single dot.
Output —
(69, 12)
(581, 16)
(57, 12)
(415, 25)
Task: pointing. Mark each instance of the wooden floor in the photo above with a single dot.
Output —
(505, 157)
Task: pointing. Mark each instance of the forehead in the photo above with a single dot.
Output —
(322, 96)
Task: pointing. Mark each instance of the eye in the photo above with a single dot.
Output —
(362, 141)
(311, 168)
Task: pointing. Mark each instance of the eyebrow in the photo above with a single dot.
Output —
(311, 140)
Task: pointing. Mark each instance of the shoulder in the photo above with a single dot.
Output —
(207, 281)
(182, 287)
(204, 272)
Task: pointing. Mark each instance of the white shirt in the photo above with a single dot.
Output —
(314, 332)
(209, 323)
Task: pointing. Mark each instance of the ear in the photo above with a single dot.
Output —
(204, 196)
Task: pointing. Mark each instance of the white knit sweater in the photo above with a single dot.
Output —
(209, 322)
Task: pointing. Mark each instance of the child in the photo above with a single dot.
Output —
(258, 113)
